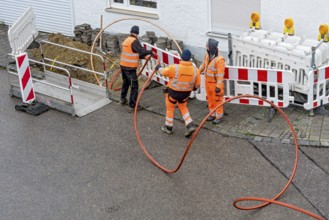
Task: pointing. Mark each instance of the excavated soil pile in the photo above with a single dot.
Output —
(74, 58)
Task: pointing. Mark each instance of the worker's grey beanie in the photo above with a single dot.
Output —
(212, 45)
(134, 29)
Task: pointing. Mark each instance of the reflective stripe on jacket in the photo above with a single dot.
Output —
(183, 77)
(128, 57)
(214, 70)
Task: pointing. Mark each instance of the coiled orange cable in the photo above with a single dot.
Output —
(264, 200)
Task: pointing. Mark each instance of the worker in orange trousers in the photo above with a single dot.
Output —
(183, 78)
(213, 67)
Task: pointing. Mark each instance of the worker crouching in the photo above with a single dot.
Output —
(213, 67)
(183, 78)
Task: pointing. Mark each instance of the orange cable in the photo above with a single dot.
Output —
(264, 200)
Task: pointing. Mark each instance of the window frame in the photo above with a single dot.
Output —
(127, 6)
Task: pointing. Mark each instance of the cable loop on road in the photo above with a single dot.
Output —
(264, 201)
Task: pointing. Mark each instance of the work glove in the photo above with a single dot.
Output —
(217, 90)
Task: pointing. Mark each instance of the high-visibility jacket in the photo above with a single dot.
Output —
(182, 77)
(128, 57)
(214, 70)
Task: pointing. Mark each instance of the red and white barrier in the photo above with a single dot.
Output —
(267, 83)
(166, 59)
(318, 93)
(25, 79)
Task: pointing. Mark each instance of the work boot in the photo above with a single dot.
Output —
(211, 118)
(123, 101)
(132, 109)
(190, 130)
(166, 129)
(217, 121)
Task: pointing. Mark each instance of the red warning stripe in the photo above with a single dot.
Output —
(26, 77)
(244, 101)
(31, 95)
(315, 104)
(21, 60)
(176, 60)
(242, 74)
(279, 76)
(326, 73)
(261, 75)
(226, 75)
(165, 58)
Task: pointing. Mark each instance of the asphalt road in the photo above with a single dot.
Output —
(55, 166)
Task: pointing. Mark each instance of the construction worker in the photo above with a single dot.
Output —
(213, 67)
(183, 78)
(132, 51)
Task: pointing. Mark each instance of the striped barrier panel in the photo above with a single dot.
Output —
(318, 94)
(25, 79)
(166, 59)
(272, 85)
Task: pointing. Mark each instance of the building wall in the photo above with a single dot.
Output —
(189, 20)
(184, 21)
(307, 15)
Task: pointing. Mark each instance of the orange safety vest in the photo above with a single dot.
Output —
(184, 78)
(128, 57)
(211, 72)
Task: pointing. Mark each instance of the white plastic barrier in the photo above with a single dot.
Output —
(272, 85)
(22, 33)
(166, 59)
(277, 51)
(319, 89)
(25, 78)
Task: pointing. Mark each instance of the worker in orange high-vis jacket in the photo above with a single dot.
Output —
(213, 67)
(132, 51)
(183, 78)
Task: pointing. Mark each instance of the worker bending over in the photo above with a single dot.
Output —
(213, 67)
(132, 51)
(183, 78)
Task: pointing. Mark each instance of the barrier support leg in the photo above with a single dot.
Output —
(321, 111)
(271, 113)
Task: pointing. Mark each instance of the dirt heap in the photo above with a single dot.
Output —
(74, 58)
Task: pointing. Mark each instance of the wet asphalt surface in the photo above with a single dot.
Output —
(55, 166)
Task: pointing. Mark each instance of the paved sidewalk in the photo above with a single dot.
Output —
(248, 122)
(4, 45)
(251, 122)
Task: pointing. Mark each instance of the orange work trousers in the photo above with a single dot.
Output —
(170, 111)
(214, 99)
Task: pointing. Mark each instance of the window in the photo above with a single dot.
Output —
(231, 16)
(135, 4)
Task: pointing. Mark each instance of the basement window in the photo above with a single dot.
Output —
(145, 8)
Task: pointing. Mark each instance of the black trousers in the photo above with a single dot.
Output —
(129, 78)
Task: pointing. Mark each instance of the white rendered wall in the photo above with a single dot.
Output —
(187, 20)
(307, 15)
